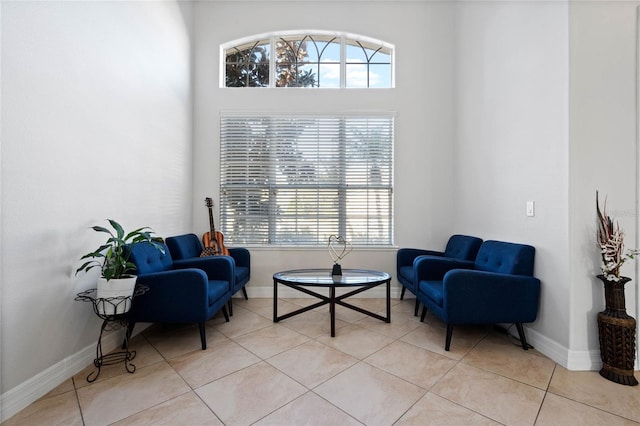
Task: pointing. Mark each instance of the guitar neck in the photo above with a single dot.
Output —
(212, 226)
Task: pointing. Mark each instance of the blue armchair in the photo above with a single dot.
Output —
(179, 291)
(498, 288)
(188, 246)
(410, 267)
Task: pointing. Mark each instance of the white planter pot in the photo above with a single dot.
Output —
(114, 296)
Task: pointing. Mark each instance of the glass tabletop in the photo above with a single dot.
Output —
(323, 277)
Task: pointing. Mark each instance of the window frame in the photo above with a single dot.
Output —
(344, 39)
(343, 222)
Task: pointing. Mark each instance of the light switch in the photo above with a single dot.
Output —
(530, 208)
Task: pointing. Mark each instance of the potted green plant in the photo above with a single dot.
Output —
(117, 281)
(616, 329)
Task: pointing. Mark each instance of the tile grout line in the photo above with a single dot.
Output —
(463, 360)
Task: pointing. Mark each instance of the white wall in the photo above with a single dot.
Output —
(497, 103)
(422, 100)
(512, 141)
(96, 124)
(603, 153)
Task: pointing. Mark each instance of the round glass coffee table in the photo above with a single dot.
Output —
(305, 279)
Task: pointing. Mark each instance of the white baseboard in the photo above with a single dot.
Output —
(18, 398)
(550, 348)
(584, 360)
(570, 359)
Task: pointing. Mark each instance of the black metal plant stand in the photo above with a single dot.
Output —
(113, 311)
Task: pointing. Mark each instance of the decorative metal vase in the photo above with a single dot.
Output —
(617, 332)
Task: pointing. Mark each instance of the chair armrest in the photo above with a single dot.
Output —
(430, 268)
(241, 256)
(172, 295)
(406, 256)
(488, 297)
(216, 267)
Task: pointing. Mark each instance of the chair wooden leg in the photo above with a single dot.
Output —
(244, 292)
(203, 335)
(224, 312)
(447, 343)
(415, 310)
(523, 339)
(424, 313)
(230, 304)
(402, 292)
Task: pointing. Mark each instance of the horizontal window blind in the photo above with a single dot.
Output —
(296, 180)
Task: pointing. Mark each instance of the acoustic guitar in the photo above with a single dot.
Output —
(213, 241)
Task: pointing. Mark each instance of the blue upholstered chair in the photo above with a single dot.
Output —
(179, 291)
(410, 269)
(188, 246)
(498, 288)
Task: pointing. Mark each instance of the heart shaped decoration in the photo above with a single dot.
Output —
(339, 247)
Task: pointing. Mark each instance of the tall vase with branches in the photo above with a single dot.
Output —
(616, 329)
(611, 242)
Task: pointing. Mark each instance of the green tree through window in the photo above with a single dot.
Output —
(248, 65)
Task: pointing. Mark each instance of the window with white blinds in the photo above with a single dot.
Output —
(296, 180)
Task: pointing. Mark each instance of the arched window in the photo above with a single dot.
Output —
(319, 59)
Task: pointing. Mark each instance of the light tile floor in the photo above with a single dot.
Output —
(372, 373)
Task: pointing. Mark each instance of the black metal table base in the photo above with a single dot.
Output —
(332, 300)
